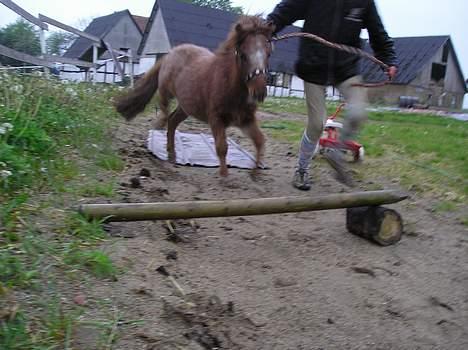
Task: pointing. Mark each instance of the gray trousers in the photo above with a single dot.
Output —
(356, 102)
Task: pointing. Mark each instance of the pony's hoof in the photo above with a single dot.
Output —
(223, 171)
(255, 174)
(171, 157)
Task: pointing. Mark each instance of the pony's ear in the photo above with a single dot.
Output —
(239, 28)
(271, 26)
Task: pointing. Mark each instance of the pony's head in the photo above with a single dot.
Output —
(250, 39)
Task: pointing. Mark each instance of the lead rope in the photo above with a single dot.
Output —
(346, 48)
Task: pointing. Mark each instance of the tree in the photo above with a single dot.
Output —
(21, 36)
(218, 4)
(59, 42)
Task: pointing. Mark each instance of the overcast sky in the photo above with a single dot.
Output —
(400, 17)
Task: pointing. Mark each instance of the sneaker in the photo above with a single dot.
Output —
(301, 180)
(336, 160)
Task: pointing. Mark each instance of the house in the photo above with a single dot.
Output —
(429, 71)
(173, 22)
(121, 30)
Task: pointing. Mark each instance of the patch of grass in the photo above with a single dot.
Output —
(428, 150)
(51, 329)
(290, 105)
(464, 220)
(14, 272)
(58, 323)
(284, 130)
(42, 122)
(284, 105)
(85, 230)
(53, 141)
(14, 334)
(95, 189)
(95, 261)
(110, 161)
(445, 206)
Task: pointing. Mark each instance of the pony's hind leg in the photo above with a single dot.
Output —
(255, 134)
(174, 119)
(163, 116)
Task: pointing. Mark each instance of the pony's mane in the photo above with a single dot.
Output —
(248, 25)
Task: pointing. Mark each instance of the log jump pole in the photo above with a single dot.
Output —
(384, 226)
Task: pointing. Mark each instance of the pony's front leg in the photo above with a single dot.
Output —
(253, 131)
(219, 135)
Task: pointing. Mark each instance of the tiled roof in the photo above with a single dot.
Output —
(141, 22)
(412, 53)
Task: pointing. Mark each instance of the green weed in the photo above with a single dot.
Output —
(14, 334)
(445, 206)
(95, 261)
(94, 189)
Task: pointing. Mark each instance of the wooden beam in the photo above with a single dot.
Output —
(25, 14)
(115, 59)
(23, 57)
(60, 25)
(237, 207)
(121, 53)
(67, 60)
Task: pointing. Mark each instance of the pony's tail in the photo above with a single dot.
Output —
(136, 100)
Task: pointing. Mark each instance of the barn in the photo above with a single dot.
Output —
(429, 72)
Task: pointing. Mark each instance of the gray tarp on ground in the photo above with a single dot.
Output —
(198, 149)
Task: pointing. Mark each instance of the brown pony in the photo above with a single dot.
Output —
(220, 88)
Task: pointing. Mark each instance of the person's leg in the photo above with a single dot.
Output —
(356, 103)
(356, 100)
(316, 111)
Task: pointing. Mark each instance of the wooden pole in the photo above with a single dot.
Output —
(132, 69)
(95, 58)
(43, 49)
(237, 207)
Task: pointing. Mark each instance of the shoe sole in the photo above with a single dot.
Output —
(302, 188)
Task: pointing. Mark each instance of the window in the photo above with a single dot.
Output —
(438, 71)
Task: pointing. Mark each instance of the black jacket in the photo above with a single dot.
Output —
(338, 21)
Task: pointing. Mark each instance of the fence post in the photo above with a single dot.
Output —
(95, 58)
(43, 50)
(130, 61)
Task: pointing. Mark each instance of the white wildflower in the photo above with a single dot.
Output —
(2, 130)
(17, 88)
(71, 91)
(5, 173)
(7, 126)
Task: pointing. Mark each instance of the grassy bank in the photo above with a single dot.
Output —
(424, 153)
(54, 150)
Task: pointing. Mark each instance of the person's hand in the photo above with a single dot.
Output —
(391, 72)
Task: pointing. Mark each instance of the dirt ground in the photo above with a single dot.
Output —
(289, 281)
